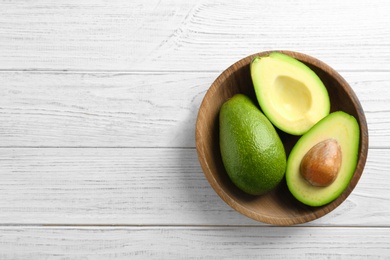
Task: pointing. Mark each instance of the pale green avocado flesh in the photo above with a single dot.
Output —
(290, 94)
(251, 150)
(341, 127)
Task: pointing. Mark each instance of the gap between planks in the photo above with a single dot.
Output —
(184, 226)
(98, 147)
(133, 147)
(66, 71)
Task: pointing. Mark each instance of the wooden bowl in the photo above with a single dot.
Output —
(277, 207)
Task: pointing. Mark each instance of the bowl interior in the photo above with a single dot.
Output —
(277, 207)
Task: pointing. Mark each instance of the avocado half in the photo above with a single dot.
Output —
(344, 129)
(290, 94)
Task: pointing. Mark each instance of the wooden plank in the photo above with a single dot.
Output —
(193, 243)
(65, 109)
(192, 36)
(148, 187)
(50, 109)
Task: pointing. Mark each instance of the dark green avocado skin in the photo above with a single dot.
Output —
(251, 150)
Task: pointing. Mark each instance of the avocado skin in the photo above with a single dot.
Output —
(252, 152)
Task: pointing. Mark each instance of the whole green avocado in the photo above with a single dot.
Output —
(252, 151)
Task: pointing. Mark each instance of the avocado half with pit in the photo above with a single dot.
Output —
(323, 161)
(290, 94)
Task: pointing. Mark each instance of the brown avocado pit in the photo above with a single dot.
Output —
(321, 164)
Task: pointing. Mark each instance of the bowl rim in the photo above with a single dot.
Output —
(315, 214)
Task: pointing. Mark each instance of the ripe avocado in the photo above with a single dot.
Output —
(251, 150)
(338, 127)
(290, 94)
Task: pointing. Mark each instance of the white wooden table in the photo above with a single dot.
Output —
(98, 103)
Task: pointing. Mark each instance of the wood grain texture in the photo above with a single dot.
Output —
(50, 109)
(104, 109)
(98, 102)
(198, 35)
(148, 187)
(194, 243)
